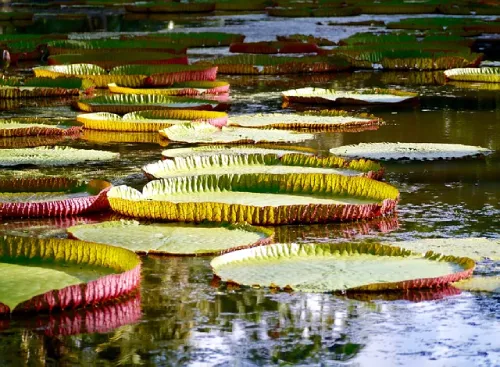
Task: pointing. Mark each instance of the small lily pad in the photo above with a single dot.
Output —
(173, 238)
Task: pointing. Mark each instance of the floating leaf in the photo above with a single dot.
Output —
(112, 45)
(214, 150)
(332, 120)
(411, 151)
(329, 96)
(192, 39)
(178, 89)
(34, 127)
(125, 103)
(50, 197)
(273, 47)
(149, 121)
(57, 156)
(265, 64)
(130, 75)
(488, 75)
(480, 284)
(99, 136)
(108, 60)
(260, 163)
(264, 199)
(44, 87)
(46, 274)
(173, 239)
(338, 267)
(209, 134)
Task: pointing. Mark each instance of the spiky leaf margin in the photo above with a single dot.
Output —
(125, 263)
(131, 202)
(488, 75)
(195, 88)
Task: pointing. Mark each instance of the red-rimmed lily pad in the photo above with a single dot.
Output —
(262, 199)
(195, 88)
(50, 274)
(261, 163)
(182, 239)
(52, 197)
(409, 151)
(339, 267)
(125, 103)
(130, 75)
(56, 156)
(364, 97)
(18, 127)
(43, 88)
(205, 133)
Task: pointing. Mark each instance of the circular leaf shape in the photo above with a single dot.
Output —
(338, 267)
(173, 238)
(46, 274)
(263, 199)
(409, 151)
(52, 197)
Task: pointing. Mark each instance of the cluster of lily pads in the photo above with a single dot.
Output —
(221, 196)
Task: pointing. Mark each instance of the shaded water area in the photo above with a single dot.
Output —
(185, 317)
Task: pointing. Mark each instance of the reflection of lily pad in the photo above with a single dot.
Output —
(480, 284)
(411, 151)
(50, 197)
(149, 121)
(209, 134)
(57, 156)
(260, 163)
(173, 239)
(264, 199)
(325, 120)
(474, 248)
(46, 274)
(338, 267)
(328, 96)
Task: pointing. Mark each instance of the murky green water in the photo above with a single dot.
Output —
(185, 317)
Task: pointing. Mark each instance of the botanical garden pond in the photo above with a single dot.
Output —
(183, 314)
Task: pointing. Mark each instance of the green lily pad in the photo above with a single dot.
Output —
(474, 248)
(329, 96)
(173, 239)
(487, 75)
(43, 274)
(480, 284)
(56, 156)
(35, 127)
(410, 151)
(263, 199)
(260, 163)
(214, 150)
(338, 267)
(209, 134)
(324, 120)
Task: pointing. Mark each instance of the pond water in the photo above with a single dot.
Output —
(184, 317)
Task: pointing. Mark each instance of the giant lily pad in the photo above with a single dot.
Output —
(124, 103)
(43, 87)
(50, 197)
(214, 150)
(34, 127)
(265, 64)
(411, 151)
(109, 60)
(474, 248)
(209, 134)
(196, 88)
(260, 163)
(149, 121)
(99, 136)
(329, 96)
(480, 284)
(273, 47)
(489, 75)
(192, 39)
(46, 274)
(173, 239)
(130, 75)
(324, 120)
(264, 199)
(339, 267)
(57, 156)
